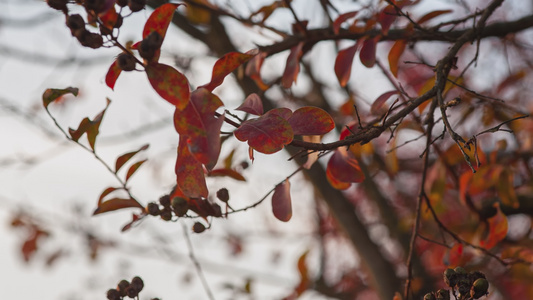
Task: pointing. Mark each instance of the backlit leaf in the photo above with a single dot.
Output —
(281, 201)
(133, 168)
(343, 63)
(115, 204)
(160, 19)
(376, 108)
(267, 134)
(368, 52)
(50, 95)
(292, 67)
(394, 56)
(498, 227)
(343, 167)
(170, 84)
(312, 156)
(198, 124)
(311, 121)
(225, 65)
(196, 14)
(341, 19)
(121, 160)
(112, 74)
(189, 172)
(90, 127)
(252, 105)
(228, 173)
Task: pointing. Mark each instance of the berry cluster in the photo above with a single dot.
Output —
(473, 285)
(127, 289)
(167, 207)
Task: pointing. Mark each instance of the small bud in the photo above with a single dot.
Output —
(223, 195)
(113, 294)
(122, 286)
(126, 62)
(180, 206)
(479, 288)
(198, 227)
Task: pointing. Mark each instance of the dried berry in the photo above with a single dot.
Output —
(122, 286)
(479, 288)
(198, 227)
(166, 214)
(136, 5)
(126, 62)
(122, 3)
(90, 39)
(180, 206)
(119, 21)
(58, 4)
(152, 208)
(97, 6)
(113, 294)
(131, 292)
(76, 24)
(149, 45)
(165, 201)
(450, 277)
(137, 283)
(217, 211)
(223, 195)
(463, 286)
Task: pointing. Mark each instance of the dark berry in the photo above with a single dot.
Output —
(137, 283)
(165, 201)
(131, 292)
(223, 195)
(198, 227)
(97, 6)
(152, 208)
(58, 4)
(122, 286)
(76, 24)
(122, 3)
(166, 214)
(126, 62)
(113, 294)
(180, 206)
(150, 45)
(136, 5)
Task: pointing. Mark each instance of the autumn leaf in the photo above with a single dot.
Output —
(112, 74)
(121, 160)
(312, 156)
(116, 204)
(386, 17)
(498, 227)
(341, 19)
(292, 67)
(368, 51)
(50, 95)
(198, 124)
(281, 201)
(394, 56)
(267, 134)
(90, 127)
(343, 169)
(253, 70)
(189, 172)
(160, 19)
(344, 62)
(376, 108)
(311, 121)
(226, 172)
(170, 84)
(106, 192)
(252, 105)
(432, 15)
(225, 65)
(133, 168)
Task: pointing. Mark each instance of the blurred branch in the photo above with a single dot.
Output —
(47, 60)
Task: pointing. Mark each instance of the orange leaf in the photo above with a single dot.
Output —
(121, 160)
(252, 105)
(105, 193)
(281, 201)
(267, 134)
(92, 128)
(112, 74)
(376, 108)
(189, 172)
(368, 52)
(170, 84)
(311, 121)
(225, 65)
(341, 19)
(115, 204)
(432, 15)
(50, 95)
(292, 67)
(343, 169)
(227, 172)
(343, 63)
(133, 168)
(394, 56)
(498, 227)
(198, 124)
(160, 19)
(312, 156)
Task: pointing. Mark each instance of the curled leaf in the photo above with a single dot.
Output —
(121, 160)
(50, 95)
(225, 65)
(292, 67)
(252, 105)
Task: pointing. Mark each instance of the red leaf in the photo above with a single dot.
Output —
(112, 75)
(311, 121)
(50, 95)
(343, 63)
(115, 204)
(341, 19)
(394, 56)
(432, 15)
(253, 70)
(105, 193)
(227, 172)
(293, 66)
(386, 18)
(266, 134)
(343, 168)
(281, 201)
(498, 227)
(225, 65)
(252, 105)
(170, 84)
(198, 124)
(189, 172)
(121, 160)
(283, 112)
(375, 109)
(160, 19)
(133, 168)
(92, 128)
(368, 52)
